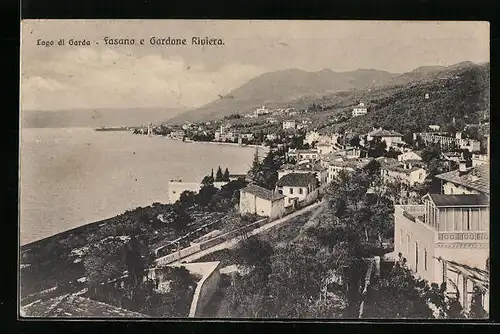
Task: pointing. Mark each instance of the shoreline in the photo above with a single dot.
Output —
(207, 142)
(90, 223)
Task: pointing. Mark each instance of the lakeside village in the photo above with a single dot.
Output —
(325, 225)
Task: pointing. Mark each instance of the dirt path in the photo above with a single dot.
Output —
(312, 221)
(233, 242)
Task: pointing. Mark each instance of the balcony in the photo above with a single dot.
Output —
(415, 213)
(467, 237)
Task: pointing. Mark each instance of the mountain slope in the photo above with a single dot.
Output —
(458, 92)
(278, 87)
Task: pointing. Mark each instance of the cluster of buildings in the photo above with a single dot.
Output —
(446, 141)
(443, 240)
(296, 125)
(225, 134)
(264, 111)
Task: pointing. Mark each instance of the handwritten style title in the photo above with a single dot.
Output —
(108, 41)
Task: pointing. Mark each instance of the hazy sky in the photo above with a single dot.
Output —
(100, 76)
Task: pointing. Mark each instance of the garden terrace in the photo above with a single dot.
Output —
(59, 259)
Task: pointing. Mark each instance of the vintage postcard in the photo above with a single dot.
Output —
(254, 169)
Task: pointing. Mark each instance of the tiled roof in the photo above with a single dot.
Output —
(307, 151)
(78, 307)
(303, 167)
(384, 133)
(459, 200)
(262, 192)
(477, 178)
(296, 180)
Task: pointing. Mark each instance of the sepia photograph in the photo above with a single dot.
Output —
(254, 169)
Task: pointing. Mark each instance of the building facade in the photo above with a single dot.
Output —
(472, 180)
(260, 201)
(445, 229)
(299, 188)
(445, 141)
(391, 138)
(359, 110)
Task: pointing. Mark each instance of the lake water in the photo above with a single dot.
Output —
(71, 177)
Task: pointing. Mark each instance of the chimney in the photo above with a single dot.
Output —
(462, 168)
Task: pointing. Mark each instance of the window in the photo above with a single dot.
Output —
(301, 190)
(401, 241)
(425, 259)
(416, 257)
(291, 190)
(280, 191)
(408, 246)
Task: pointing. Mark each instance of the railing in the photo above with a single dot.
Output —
(462, 236)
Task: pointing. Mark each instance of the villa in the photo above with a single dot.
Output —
(446, 240)
(261, 201)
(299, 188)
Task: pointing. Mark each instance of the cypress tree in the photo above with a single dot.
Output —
(218, 175)
(225, 177)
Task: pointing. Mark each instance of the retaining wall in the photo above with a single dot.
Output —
(209, 243)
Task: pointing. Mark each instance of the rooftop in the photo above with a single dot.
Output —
(73, 306)
(262, 192)
(401, 169)
(384, 133)
(348, 163)
(441, 200)
(296, 180)
(303, 167)
(477, 178)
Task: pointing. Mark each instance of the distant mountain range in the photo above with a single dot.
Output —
(277, 88)
(273, 89)
(95, 118)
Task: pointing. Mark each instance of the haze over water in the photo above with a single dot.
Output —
(74, 176)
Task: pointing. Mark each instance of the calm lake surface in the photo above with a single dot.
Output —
(75, 176)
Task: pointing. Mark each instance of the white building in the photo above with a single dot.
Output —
(391, 138)
(406, 172)
(434, 127)
(289, 124)
(409, 155)
(359, 110)
(261, 111)
(350, 165)
(480, 159)
(324, 148)
(315, 168)
(444, 140)
(447, 240)
(299, 188)
(311, 155)
(271, 136)
(262, 202)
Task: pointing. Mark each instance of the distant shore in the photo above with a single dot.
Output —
(230, 144)
(190, 141)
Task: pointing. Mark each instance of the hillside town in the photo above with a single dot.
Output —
(417, 202)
